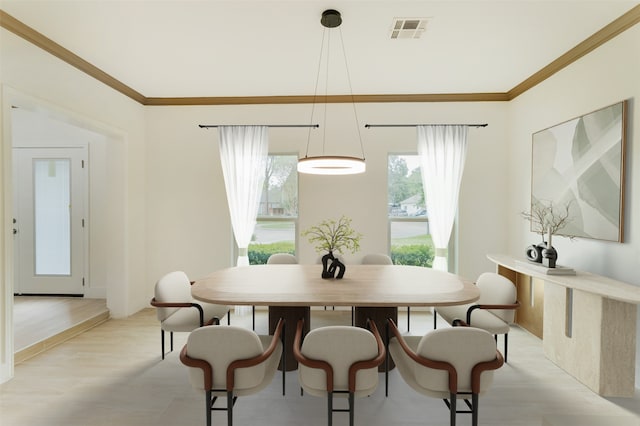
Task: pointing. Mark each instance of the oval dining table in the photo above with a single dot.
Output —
(375, 291)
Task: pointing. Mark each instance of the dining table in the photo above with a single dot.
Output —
(375, 291)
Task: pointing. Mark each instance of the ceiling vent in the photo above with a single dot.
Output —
(408, 27)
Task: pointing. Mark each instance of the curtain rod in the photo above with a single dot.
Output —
(207, 126)
(367, 126)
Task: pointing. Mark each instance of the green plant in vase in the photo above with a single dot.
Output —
(331, 236)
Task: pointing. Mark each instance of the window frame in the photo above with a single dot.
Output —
(283, 219)
(452, 258)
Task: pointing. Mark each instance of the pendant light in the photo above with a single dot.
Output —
(332, 164)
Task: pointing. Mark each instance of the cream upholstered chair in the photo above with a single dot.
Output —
(383, 259)
(339, 360)
(449, 363)
(493, 312)
(376, 259)
(275, 259)
(229, 361)
(282, 258)
(178, 311)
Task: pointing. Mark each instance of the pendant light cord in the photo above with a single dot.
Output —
(326, 92)
(315, 93)
(353, 104)
(326, 88)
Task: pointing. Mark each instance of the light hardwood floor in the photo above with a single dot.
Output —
(113, 375)
(41, 322)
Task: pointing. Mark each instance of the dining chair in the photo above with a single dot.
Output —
(381, 259)
(450, 364)
(493, 312)
(282, 258)
(178, 311)
(231, 361)
(376, 259)
(339, 361)
(275, 259)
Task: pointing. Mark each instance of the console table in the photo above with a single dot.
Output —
(587, 322)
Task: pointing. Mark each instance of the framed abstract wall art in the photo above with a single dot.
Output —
(580, 164)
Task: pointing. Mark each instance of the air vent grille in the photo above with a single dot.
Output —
(408, 28)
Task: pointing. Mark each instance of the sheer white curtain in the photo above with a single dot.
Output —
(243, 154)
(442, 150)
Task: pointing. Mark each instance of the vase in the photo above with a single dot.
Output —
(326, 265)
(534, 252)
(549, 257)
(549, 254)
(331, 265)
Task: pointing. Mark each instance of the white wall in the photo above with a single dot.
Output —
(608, 75)
(188, 225)
(34, 79)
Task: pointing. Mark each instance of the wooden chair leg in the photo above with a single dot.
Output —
(330, 407)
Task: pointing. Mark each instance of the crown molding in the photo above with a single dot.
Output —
(11, 24)
(621, 24)
(329, 99)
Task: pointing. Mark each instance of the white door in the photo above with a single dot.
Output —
(50, 187)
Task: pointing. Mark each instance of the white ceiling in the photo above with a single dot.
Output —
(185, 48)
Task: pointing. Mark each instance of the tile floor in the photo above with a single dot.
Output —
(113, 375)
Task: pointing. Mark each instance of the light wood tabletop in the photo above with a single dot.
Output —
(362, 285)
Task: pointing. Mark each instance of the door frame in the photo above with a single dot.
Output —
(84, 273)
(116, 269)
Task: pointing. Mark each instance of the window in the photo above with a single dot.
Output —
(275, 230)
(410, 242)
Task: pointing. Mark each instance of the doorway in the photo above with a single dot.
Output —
(28, 122)
(49, 222)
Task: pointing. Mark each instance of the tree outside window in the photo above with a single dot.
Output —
(410, 242)
(275, 230)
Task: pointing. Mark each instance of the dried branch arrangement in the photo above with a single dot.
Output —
(547, 218)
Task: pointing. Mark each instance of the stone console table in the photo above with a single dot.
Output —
(587, 323)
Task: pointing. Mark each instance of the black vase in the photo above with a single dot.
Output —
(326, 265)
(338, 266)
(534, 252)
(549, 257)
(331, 265)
